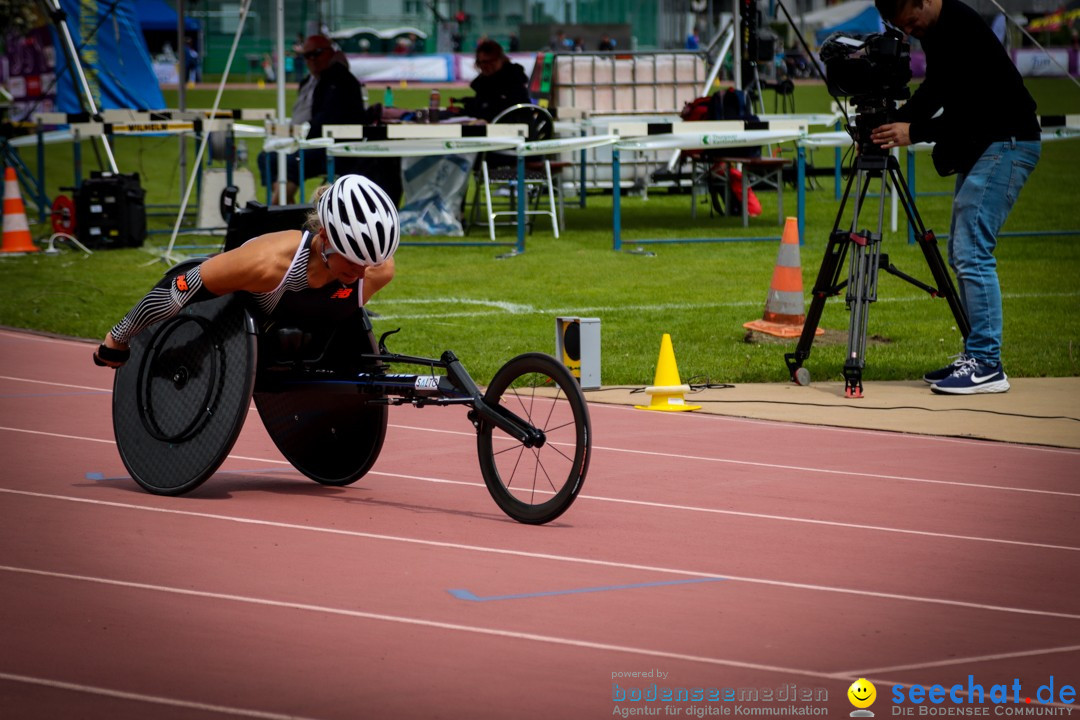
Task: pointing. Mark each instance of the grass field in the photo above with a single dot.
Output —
(487, 310)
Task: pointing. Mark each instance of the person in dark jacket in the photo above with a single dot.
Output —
(329, 95)
(500, 84)
(987, 133)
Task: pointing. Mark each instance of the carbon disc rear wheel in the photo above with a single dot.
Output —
(181, 400)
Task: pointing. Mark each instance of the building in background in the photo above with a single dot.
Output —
(449, 25)
(457, 25)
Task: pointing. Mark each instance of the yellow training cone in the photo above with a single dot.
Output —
(666, 392)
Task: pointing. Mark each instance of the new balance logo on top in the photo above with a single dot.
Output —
(342, 293)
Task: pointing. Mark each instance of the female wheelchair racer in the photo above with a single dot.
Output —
(280, 318)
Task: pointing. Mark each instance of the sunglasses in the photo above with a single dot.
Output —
(328, 250)
(312, 54)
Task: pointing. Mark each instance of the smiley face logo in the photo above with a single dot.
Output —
(862, 693)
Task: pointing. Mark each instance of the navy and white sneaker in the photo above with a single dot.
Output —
(971, 377)
(941, 373)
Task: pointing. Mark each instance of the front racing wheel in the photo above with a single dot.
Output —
(536, 485)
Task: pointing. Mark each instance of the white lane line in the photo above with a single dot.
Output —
(30, 335)
(515, 309)
(677, 456)
(508, 307)
(653, 504)
(152, 699)
(866, 672)
(810, 427)
(402, 620)
(55, 384)
(420, 622)
(733, 513)
(826, 471)
(725, 418)
(556, 558)
(795, 468)
(831, 523)
(62, 436)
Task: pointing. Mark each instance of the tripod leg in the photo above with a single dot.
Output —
(929, 246)
(828, 283)
(862, 290)
(824, 287)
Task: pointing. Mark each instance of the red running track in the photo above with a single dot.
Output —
(711, 552)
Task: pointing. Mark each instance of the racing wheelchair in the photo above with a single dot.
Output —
(323, 389)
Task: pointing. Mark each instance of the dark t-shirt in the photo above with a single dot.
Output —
(970, 76)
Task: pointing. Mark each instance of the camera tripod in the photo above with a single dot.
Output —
(866, 260)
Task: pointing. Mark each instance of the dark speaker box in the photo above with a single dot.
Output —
(110, 211)
(256, 219)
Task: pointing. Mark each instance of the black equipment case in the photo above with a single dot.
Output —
(256, 219)
(110, 211)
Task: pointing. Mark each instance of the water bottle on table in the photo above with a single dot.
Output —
(433, 107)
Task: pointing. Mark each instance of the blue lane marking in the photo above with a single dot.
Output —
(468, 595)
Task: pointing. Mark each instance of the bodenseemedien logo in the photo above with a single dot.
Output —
(862, 695)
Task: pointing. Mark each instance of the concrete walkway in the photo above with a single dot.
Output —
(1039, 411)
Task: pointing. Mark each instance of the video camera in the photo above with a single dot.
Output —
(873, 71)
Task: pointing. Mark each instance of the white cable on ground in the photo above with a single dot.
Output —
(167, 255)
(52, 250)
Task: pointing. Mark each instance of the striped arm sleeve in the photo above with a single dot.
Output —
(161, 303)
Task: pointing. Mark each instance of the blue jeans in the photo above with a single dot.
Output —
(981, 203)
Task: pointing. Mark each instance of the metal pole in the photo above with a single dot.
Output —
(736, 66)
(911, 191)
(41, 172)
(181, 95)
(200, 152)
(726, 38)
(616, 201)
(521, 200)
(59, 18)
(800, 180)
(281, 158)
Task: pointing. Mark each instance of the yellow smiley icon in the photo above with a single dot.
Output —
(862, 693)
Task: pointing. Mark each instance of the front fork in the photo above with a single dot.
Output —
(497, 415)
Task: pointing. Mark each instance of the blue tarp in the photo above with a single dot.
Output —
(115, 58)
(868, 21)
(158, 15)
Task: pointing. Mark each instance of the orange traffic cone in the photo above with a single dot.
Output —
(667, 390)
(784, 313)
(16, 230)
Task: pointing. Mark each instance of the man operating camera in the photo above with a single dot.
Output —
(987, 134)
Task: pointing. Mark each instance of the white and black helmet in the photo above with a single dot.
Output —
(360, 220)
